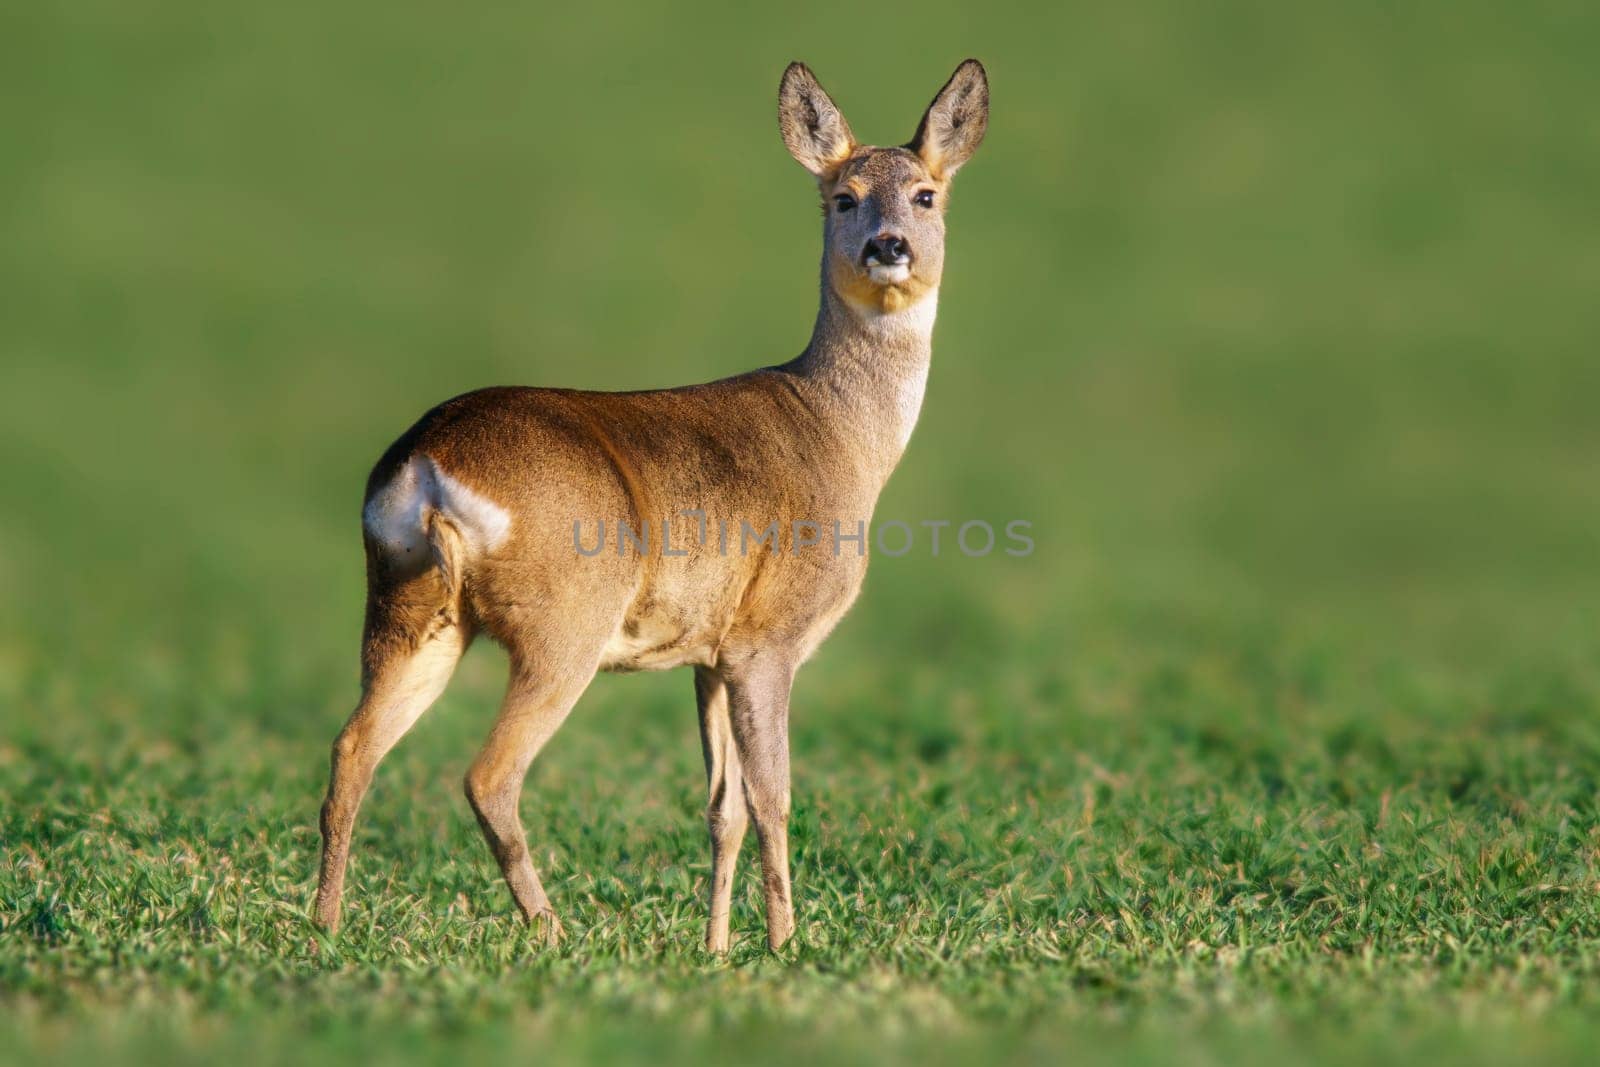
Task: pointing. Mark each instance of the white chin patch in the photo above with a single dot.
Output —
(889, 275)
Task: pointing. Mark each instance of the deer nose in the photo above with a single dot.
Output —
(888, 249)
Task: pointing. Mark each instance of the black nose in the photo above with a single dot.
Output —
(888, 249)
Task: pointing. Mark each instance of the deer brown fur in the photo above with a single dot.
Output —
(469, 522)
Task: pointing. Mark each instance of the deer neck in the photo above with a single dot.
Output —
(870, 370)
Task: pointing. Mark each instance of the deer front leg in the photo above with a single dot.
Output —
(726, 814)
(758, 703)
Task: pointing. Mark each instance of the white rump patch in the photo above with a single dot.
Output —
(395, 515)
(485, 524)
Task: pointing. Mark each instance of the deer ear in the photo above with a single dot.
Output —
(813, 128)
(953, 126)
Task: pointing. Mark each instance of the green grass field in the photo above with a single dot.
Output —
(1279, 326)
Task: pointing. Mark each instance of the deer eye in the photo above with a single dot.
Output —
(844, 202)
(924, 198)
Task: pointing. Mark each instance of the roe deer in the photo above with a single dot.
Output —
(471, 521)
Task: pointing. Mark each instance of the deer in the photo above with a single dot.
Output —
(471, 519)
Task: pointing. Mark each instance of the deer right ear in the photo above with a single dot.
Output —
(814, 130)
(953, 126)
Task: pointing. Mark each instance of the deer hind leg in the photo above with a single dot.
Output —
(726, 813)
(408, 656)
(536, 703)
(758, 704)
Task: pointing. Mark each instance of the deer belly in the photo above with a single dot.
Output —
(655, 643)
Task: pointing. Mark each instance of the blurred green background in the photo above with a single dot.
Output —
(1277, 321)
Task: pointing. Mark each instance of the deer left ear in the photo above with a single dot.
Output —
(813, 128)
(955, 122)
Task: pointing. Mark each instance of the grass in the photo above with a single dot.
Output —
(1251, 849)
(1279, 327)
